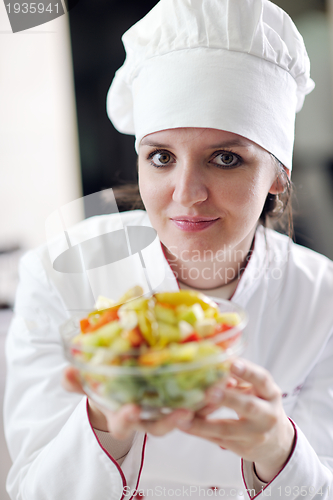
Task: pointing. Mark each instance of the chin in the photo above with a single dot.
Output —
(195, 251)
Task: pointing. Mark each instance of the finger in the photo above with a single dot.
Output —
(167, 423)
(207, 410)
(122, 423)
(231, 382)
(243, 386)
(261, 380)
(215, 429)
(71, 380)
(247, 406)
(214, 394)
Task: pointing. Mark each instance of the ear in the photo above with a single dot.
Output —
(279, 185)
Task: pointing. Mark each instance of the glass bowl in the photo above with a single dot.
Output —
(156, 389)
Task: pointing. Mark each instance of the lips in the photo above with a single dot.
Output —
(197, 218)
(198, 223)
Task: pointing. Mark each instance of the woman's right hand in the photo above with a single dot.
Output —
(122, 423)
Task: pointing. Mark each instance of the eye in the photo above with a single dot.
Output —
(226, 159)
(160, 158)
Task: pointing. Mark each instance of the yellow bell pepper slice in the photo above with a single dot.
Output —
(186, 297)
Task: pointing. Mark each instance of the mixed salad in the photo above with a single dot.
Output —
(159, 352)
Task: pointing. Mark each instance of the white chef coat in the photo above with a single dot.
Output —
(288, 293)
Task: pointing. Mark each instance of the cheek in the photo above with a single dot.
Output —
(239, 193)
(152, 192)
(247, 197)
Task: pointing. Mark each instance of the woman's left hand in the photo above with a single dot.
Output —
(263, 434)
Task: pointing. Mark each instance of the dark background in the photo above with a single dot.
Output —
(108, 158)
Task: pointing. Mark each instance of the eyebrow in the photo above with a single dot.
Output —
(145, 142)
(220, 145)
(229, 144)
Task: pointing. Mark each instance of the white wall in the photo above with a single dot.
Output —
(39, 160)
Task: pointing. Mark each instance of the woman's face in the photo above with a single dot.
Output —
(204, 189)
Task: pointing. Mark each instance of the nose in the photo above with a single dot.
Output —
(190, 187)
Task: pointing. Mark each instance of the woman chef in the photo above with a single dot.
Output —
(210, 90)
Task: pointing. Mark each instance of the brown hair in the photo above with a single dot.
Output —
(277, 212)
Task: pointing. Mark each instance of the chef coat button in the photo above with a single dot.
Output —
(215, 488)
(139, 496)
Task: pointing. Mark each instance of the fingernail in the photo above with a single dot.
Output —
(238, 367)
(215, 395)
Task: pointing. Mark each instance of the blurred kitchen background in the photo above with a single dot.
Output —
(57, 142)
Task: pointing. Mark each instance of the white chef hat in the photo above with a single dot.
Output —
(234, 65)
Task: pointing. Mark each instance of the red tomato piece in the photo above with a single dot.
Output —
(220, 328)
(193, 337)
